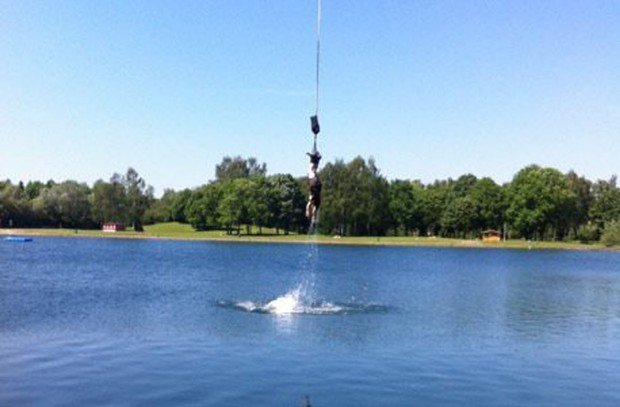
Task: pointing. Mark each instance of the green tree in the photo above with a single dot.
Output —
(463, 185)
(233, 205)
(419, 207)
(611, 234)
(459, 217)
(178, 206)
(14, 207)
(490, 202)
(355, 198)
(336, 202)
(201, 208)
(289, 202)
(238, 167)
(436, 198)
(401, 206)
(378, 199)
(33, 189)
(138, 197)
(66, 204)
(606, 206)
(540, 199)
(261, 203)
(578, 212)
(109, 201)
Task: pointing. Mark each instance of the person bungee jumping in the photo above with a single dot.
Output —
(314, 182)
(314, 188)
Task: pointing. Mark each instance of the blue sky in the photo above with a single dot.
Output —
(431, 89)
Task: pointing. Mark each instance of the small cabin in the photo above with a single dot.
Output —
(491, 236)
(113, 227)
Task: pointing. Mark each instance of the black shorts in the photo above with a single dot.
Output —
(315, 191)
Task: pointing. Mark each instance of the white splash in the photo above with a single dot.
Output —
(289, 303)
(296, 301)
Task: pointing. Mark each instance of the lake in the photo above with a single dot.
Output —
(145, 323)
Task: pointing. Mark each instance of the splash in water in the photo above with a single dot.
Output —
(298, 301)
(303, 299)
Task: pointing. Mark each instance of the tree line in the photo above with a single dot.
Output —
(538, 203)
(69, 204)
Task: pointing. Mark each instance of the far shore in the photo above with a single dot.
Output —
(176, 231)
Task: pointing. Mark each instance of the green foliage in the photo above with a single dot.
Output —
(587, 233)
(606, 205)
(14, 206)
(233, 206)
(355, 199)
(459, 217)
(540, 201)
(435, 201)
(33, 189)
(582, 190)
(201, 207)
(108, 201)
(401, 206)
(288, 202)
(490, 202)
(137, 196)
(611, 234)
(124, 199)
(233, 168)
(261, 203)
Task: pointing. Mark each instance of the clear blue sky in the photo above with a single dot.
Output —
(431, 89)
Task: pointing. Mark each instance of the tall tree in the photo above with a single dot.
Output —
(14, 207)
(436, 198)
(355, 198)
(138, 197)
(289, 202)
(490, 202)
(336, 203)
(606, 205)
(33, 189)
(233, 206)
(66, 204)
(401, 206)
(201, 207)
(261, 203)
(459, 217)
(238, 167)
(109, 201)
(582, 190)
(540, 199)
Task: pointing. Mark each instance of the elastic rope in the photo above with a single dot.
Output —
(318, 53)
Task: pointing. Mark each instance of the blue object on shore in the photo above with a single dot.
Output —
(18, 239)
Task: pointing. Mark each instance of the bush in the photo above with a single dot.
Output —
(588, 233)
(611, 234)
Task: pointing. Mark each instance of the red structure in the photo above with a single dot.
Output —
(113, 227)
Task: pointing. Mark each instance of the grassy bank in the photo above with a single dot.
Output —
(185, 232)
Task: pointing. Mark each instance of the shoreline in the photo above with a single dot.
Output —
(366, 241)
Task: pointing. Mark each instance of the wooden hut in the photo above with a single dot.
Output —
(491, 236)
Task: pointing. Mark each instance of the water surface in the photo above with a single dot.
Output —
(139, 322)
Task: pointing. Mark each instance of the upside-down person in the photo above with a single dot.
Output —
(314, 188)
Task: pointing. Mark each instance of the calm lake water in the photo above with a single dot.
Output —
(137, 322)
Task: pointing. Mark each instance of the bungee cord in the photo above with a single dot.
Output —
(314, 120)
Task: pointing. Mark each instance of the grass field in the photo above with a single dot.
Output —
(180, 231)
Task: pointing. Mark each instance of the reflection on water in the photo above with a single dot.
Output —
(93, 322)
